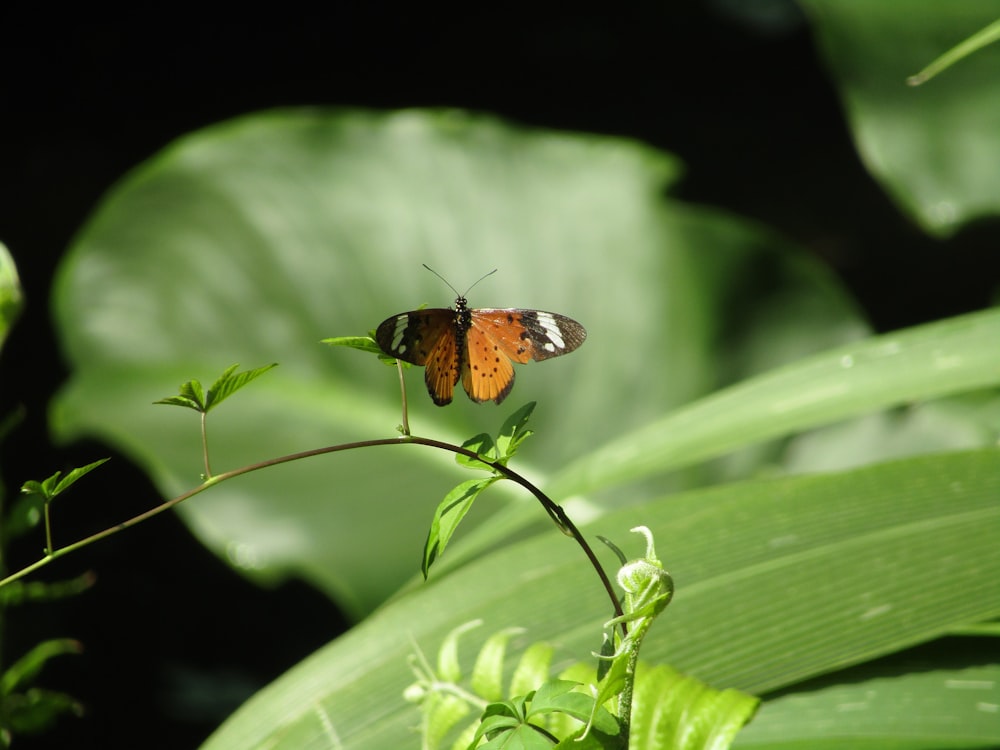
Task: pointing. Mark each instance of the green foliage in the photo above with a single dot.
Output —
(25, 708)
(671, 711)
(827, 498)
(931, 147)
(457, 503)
(193, 396)
(48, 489)
(11, 296)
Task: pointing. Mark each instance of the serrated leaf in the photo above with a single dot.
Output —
(192, 390)
(487, 674)
(185, 401)
(75, 475)
(514, 432)
(227, 384)
(448, 515)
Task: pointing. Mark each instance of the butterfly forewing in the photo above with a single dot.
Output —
(412, 336)
(530, 334)
(487, 373)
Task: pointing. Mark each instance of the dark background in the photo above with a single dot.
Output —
(173, 640)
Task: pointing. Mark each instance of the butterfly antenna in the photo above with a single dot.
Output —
(453, 288)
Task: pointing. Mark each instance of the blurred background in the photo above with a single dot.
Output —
(734, 89)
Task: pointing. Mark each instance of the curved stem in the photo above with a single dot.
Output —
(555, 512)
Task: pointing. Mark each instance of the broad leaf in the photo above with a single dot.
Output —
(777, 580)
(933, 147)
(253, 240)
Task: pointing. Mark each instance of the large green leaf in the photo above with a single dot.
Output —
(777, 581)
(933, 147)
(11, 296)
(251, 241)
(915, 710)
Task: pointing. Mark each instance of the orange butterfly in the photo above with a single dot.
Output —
(477, 346)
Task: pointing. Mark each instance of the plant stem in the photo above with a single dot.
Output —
(204, 444)
(555, 512)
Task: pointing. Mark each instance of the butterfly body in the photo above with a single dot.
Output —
(476, 346)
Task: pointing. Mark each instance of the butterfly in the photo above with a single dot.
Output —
(476, 346)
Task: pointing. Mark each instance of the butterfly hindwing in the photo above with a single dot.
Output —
(530, 334)
(487, 372)
(441, 372)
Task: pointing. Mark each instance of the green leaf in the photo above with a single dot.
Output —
(35, 710)
(20, 592)
(532, 669)
(261, 221)
(363, 343)
(228, 383)
(675, 711)
(932, 147)
(192, 396)
(52, 486)
(24, 671)
(75, 475)
(875, 710)
(487, 674)
(929, 361)
(448, 515)
(481, 444)
(514, 432)
(824, 571)
(449, 668)
(11, 295)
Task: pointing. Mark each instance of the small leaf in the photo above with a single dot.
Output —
(441, 712)
(192, 390)
(448, 515)
(35, 710)
(448, 669)
(180, 401)
(32, 487)
(514, 432)
(23, 671)
(487, 674)
(362, 343)
(560, 696)
(19, 592)
(191, 396)
(227, 384)
(532, 669)
(67, 481)
(483, 445)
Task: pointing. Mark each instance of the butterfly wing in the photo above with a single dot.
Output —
(529, 334)
(425, 337)
(487, 372)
